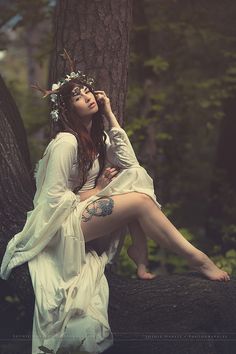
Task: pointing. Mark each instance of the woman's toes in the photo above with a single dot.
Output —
(150, 276)
(146, 275)
(226, 276)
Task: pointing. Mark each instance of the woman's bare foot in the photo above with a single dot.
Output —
(201, 262)
(142, 273)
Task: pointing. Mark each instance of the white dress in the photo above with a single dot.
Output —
(71, 290)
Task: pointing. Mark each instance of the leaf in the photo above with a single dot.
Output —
(158, 64)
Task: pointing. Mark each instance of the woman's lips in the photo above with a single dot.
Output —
(92, 105)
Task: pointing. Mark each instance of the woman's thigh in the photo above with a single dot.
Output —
(107, 214)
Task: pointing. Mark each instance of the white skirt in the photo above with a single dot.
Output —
(71, 308)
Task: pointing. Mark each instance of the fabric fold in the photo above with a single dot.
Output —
(119, 149)
(51, 207)
(70, 287)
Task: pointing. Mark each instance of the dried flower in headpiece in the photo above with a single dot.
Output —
(54, 95)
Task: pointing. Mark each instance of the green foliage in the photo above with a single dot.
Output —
(185, 76)
(226, 262)
(34, 112)
(12, 299)
(126, 266)
(178, 84)
(137, 124)
(21, 14)
(158, 64)
(13, 302)
(159, 258)
(33, 109)
(229, 234)
(135, 94)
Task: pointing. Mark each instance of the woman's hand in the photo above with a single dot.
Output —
(106, 177)
(103, 102)
(105, 106)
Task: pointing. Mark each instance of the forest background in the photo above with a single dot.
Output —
(180, 111)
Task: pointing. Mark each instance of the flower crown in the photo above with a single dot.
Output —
(54, 94)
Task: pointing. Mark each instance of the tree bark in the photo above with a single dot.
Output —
(222, 196)
(180, 313)
(12, 125)
(97, 33)
(16, 194)
(16, 184)
(139, 311)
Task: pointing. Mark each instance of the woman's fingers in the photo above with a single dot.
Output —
(112, 169)
(102, 93)
(111, 172)
(109, 169)
(99, 91)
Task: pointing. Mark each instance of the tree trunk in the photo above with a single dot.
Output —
(143, 48)
(180, 313)
(98, 32)
(16, 193)
(222, 198)
(12, 124)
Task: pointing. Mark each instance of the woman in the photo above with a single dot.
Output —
(90, 187)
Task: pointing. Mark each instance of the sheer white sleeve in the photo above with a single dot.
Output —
(119, 149)
(53, 202)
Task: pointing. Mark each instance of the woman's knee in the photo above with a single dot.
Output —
(137, 203)
(109, 213)
(145, 202)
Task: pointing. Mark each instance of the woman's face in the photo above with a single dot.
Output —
(83, 101)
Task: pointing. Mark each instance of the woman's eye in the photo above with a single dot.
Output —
(78, 97)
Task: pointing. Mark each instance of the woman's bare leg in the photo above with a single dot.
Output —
(158, 224)
(108, 213)
(138, 250)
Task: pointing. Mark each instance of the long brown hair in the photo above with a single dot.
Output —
(89, 145)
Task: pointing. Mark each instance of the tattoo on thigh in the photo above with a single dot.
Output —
(100, 207)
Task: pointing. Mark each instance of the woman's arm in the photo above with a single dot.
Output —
(59, 167)
(113, 122)
(56, 203)
(86, 194)
(120, 152)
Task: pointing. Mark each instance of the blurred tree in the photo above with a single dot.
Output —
(16, 195)
(192, 62)
(221, 222)
(183, 105)
(27, 33)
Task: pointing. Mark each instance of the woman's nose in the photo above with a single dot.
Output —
(87, 97)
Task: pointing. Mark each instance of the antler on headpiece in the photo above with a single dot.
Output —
(56, 86)
(72, 62)
(44, 91)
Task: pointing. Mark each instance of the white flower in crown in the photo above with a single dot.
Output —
(67, 78)
(56, 86)
(54, 114)
(53, 97)
(73, 74)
